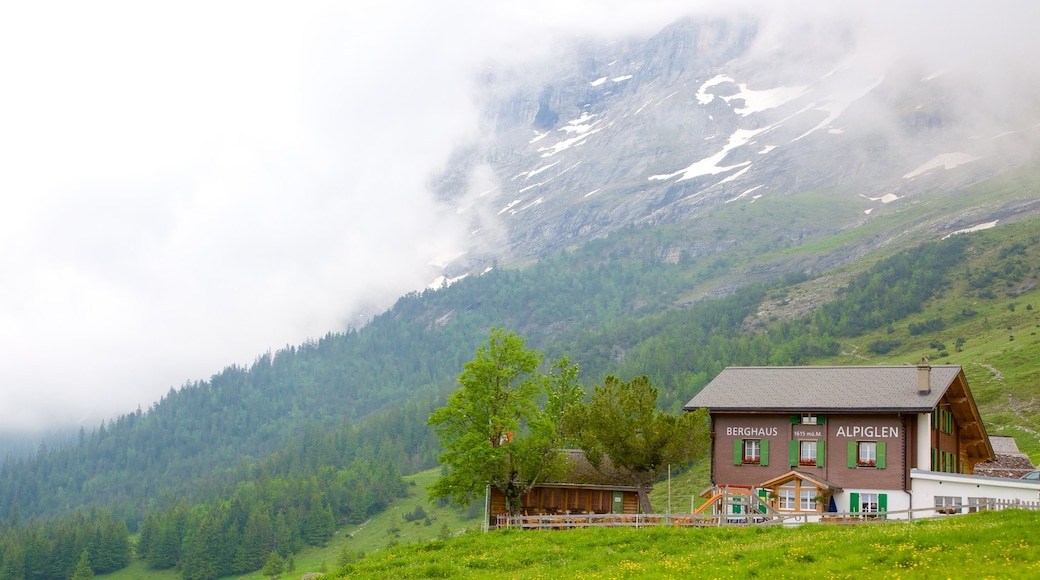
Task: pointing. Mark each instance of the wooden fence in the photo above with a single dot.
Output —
(567, 521)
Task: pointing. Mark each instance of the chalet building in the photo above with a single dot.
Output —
(583, 490)
(846, 439)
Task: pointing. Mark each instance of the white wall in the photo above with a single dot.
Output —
(927, 485)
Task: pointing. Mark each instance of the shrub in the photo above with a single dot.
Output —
(417, 513)
(883, 346)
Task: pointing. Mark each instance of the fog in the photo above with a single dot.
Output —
(188, 185)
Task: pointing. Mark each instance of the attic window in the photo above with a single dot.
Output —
(808, 419)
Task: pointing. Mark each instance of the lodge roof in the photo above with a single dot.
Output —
(810, 389)
(580, 471)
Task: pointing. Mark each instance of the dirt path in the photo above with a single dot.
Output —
(992, 369)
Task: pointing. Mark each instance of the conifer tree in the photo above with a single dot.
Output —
(83, 570)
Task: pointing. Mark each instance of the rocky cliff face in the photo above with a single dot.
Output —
(669, 129)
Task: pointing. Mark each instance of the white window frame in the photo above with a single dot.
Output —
(807, 452)
(866, 506)
(752, 450)
(948, 504)
(807, 499)
(866, 453)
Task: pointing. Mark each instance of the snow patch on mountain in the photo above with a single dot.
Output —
(746, 193)
(582, 129)
(887, 198)
(945, 161)
(703, 96)
(757, 101)
(975, 228)
(710, 165)
(835, 105)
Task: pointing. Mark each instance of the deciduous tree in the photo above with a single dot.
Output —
(492, 429)
(621, 422)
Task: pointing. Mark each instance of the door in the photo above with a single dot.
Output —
(618, 506)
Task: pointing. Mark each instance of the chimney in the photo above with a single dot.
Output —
(924, 377)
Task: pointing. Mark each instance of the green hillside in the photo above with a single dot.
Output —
(984, 545)
(675, 305)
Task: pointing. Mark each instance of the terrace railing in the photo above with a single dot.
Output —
(567, 521)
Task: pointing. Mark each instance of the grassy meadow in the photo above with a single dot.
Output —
(985, 545)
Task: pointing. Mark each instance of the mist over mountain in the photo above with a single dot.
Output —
(713, 112)
(782, 186)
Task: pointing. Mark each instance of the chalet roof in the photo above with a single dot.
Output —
(825, 388)
(581, 472)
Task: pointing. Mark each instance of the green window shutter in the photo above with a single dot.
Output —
(762, 496)
(882, 503)
(793, 453)
(795, 419)
(880, 454)
(935, 418)
(853, 453)
(820, 419)
(821, 453)
(854, 502)
(738, 452)
(764, 452)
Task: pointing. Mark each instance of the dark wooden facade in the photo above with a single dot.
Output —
(780, 438)
(840, 438)
(563, 498)
(583, 490)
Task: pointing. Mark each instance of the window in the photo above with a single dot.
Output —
(796, 495)
(868, 503)
(751, 452)
(942, 420)
(808, 500)
(947, 504)
(806, 453)
(978, 504)
(866, 454)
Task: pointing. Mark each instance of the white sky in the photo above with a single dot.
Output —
(185, 185)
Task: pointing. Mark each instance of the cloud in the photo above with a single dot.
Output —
(186, 185)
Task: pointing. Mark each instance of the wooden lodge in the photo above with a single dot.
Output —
(584, 490)
(847, 439)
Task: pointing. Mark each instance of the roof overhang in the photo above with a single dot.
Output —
(795, 474)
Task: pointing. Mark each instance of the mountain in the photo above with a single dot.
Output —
(709, 114)
(663, 206)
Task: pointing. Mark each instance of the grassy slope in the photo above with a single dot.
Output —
(1001, 350)
(987, 545)
(1003, 374)
(372, 536)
